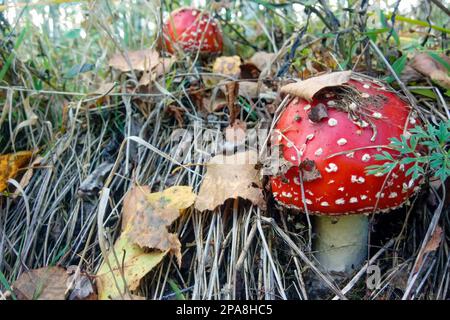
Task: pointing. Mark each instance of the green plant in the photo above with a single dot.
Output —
(434, 138)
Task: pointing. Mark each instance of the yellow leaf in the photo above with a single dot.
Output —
(145, 219)
(10, 165)
(229, 66)
(130, 259)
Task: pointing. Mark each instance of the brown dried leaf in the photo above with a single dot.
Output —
(308, 88)
(139, 60)
(318, 112)
(251, 89)
(230, 177)
(146, 216)
(48, 283)
(263, 60)
(104, 88)
(424, 64)
(229, 66)
(10, 165)
(432, 245)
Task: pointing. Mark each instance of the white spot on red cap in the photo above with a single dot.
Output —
(340, 201)
(318, 152)
(366, 86)
(363, 197)
(332, 167)
(393, 195)
(365, 157)
(350, 154)
(332, 122)
(309, 136)
(307, 107)
(353, 200)
(324, 204)
(342, 141)
(331, 103)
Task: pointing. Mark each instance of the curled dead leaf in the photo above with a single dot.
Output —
(263, 60)
(422, 64)
(308, 88)
(10, 164)
(230, 177)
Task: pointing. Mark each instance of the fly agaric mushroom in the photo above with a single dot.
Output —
(330, 141)
(192, 30)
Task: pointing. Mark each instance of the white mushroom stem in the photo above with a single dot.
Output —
(341, 242)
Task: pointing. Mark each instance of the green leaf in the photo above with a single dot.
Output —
(398, 67)
(439, 59)
(425, 92)
(10, 58)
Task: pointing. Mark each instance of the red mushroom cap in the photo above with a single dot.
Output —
(191, 29)
(340, 147)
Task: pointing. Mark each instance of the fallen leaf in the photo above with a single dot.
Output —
(104, 88)
(48, 283)
(145, 219)
(229, 66)
(263, 60)
(432, 245)
(422, 64)
(147, 61)
(308, 88)
(146, 216)
(252, 90)
(139, 60)
(10, 165)
(129, 263)
(230, 177)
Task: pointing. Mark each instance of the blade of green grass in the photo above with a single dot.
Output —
(11, 55)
